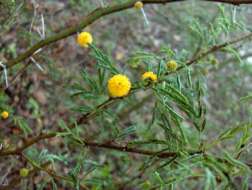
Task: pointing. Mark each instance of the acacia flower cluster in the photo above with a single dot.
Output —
(149, 76)
(84, 39)
(5, 115)
(119, 86)
(138, 5)
(172, 65)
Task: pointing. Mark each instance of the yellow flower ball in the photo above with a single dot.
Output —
(84, 39)
(172, 65)
(24, 172)
(138, 5)
(5, 115)
(150, 75)
(118, 86)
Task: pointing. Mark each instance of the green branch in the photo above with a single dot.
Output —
(92, 17)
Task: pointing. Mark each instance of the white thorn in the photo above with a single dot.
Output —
(102, 3)
(234, 14)
(39, 32)
(145, 17)
(34, 16)
(36, 52)
(37, 64)
(43, 26)
(5, 74)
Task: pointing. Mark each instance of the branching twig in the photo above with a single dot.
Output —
(92, 17)
(126, 148)
(86, 117)
(215, 48)
(234, 2)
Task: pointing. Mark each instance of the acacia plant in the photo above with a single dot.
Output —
(153, 114)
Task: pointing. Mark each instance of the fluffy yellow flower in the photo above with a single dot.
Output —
(138, 5)
(150, 75)
(119, 86)
(5, 115)
(172, 65)
(23, 172)
(84, 39)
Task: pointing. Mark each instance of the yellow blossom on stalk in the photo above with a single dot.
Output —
(5, 115)
(150, 75)
(172, 65)
(138, 5)
(84, 39)
(24, 172)
(119, 85)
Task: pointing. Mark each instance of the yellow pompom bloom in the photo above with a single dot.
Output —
(138, 5)
(84, 39)
(172, 65)
(119, 85)
(150, 75)
(5, 115)
(23, 172)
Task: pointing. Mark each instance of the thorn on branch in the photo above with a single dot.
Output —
(5, 74)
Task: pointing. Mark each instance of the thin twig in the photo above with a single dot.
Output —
(214, 49)
(92, 17)
(86, 117)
